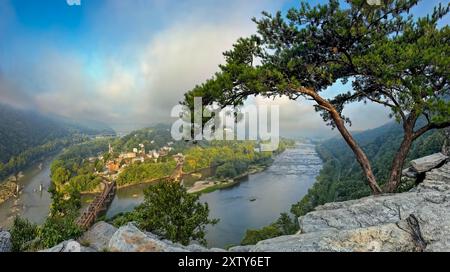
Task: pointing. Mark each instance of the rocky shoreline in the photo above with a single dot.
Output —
(208, 186)
(7, 190)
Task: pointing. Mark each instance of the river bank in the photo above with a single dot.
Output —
(211, 185)
(31, 203)
(7, 190)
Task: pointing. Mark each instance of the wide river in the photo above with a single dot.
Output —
(32, 203)
(253, 203)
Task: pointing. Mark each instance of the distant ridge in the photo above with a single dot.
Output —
(24, 129)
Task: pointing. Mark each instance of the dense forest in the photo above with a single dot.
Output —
(22, 130)
(341, 177)
(28, 136)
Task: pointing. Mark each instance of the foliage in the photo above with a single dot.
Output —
(23, 233)
(226, 170)
(22, 130)
(392, 59)
(285, 225)
(27, 137)
(58, 227)
(168, 210)
(71, 171)
(31, 155)
(253, 236)
(152, 138)
(340, 179)
(140, 172)
(231, 157)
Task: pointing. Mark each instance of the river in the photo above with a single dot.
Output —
(31, 203)
(253, 203)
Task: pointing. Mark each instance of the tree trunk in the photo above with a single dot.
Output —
(360, 155)
(357, 150)
(397, 164)
(400, 157)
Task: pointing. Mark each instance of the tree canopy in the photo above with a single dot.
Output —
(168, 210)
(391, 58)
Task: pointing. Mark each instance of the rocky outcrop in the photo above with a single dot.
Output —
(388, 237)
(104, 237)
(130, 239)
(69, 246)
(418, 220)
(98, 236)
(5, 241)
(429, 162)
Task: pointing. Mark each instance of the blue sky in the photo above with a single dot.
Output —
(127, 63)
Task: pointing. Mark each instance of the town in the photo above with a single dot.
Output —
(118, 162)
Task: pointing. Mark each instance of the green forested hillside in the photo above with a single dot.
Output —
(20, 130)
(26, 136)
(341, 177)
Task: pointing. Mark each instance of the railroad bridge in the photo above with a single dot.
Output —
(102, 201)
(98, 206)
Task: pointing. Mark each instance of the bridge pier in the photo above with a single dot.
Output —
(98, 206)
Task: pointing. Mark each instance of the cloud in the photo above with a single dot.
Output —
(134, 61)
(181, 57)
(73, 2)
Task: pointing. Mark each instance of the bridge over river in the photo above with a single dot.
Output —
(101, 202)
(98, 206)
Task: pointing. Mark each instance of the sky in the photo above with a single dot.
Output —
(127, 63)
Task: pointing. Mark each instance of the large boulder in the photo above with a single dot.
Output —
(5, 241)
(130, 239)
(105, 237)
(69, 246)
(410, 221)
(418, 220)
(427, 163)
(98, 236)
(241, 248)
(385, 238)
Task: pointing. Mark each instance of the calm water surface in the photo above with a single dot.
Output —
(31, 203)
(255, 202)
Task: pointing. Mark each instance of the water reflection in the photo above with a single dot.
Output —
(260, 198)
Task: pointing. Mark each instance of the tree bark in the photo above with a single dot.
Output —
(400, 157)
(361, 157)
(409, 137)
